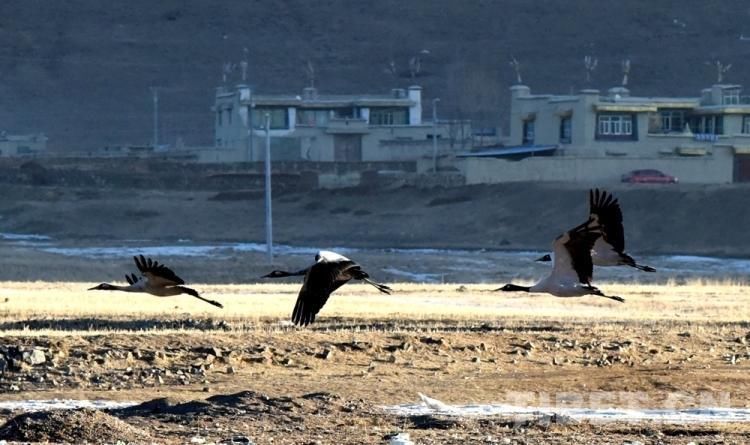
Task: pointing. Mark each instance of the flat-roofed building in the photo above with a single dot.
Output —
(24, 145)
(595, 136)
(329, 128)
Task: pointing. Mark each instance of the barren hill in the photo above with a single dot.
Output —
(81, 70)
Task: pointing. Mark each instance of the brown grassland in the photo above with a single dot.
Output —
(672, 345)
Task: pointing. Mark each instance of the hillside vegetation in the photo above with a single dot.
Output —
(80, 70)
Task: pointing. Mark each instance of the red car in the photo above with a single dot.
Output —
(649, 176)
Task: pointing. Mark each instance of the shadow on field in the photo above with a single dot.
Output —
(321, 325)
(108, 324)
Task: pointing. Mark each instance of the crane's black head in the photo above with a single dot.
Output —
(103, 286)
(514, 288)
(545, 258)
(277, 274)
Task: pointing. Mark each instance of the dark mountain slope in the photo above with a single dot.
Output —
(80, 70)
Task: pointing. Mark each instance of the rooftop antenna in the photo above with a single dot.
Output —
(415, 66)
(415, 63)
(625, 64)
(155, 97)
(244, 64)
(310, 71)
(516, 65)
(590, 63)
(226, 70)
(391, 68)
(721, 69)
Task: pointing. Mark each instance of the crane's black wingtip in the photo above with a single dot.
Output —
(217, 304)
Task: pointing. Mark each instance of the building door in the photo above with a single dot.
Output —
(741, 168)
(347, 148)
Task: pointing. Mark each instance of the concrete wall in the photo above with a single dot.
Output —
(23, 146)
(715, 169)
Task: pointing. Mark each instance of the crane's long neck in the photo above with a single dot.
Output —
(516, 288)
(107, 286)
(284, 273)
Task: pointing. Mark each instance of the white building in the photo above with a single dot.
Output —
(329, 128)
(591, 136)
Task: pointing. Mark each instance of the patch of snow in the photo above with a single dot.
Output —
(400, 439)
(46, 405)
(23, 237)
(417, 277)
(690, 415)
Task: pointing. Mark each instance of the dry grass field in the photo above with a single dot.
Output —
(671, 345)
(263, 305)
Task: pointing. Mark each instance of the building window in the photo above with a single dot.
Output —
(345, 113)
(746, 124)
(219, 114)
(616, 125)
(730, 97)
(672, 121)
(566, 131)
(389, 116)
(313, 117)
(229, 116)
(528, 132)
(279, 118)
(712, 124)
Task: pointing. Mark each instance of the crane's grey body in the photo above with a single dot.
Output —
(329, 272)
(572, 270)
(609, 249)
(156, 279)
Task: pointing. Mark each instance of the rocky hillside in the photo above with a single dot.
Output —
(80, 70)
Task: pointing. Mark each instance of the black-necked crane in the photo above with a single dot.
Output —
(609, 249)
(329, 272)
(572, 269)
(156, 279)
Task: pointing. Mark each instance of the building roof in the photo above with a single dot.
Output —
(310, 98)
(330, 100)
(500, 152)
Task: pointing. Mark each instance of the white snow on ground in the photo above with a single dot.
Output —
(432, 406)
(415, 277)
(23, 237)
(198, 250)
(457, 260)
(691, 415)
(45, 405)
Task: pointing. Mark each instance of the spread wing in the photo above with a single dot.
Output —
(157, 274)
(321, 280)
(605, 208)
(572, 250)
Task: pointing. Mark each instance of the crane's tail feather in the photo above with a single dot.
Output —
(630, 261)
(381, 287)
(195, 294)
(599, 293)
(644, 268)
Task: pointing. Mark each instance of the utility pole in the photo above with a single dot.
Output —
(250, 132)
(155, 94)
(434, 134)
(269, 224)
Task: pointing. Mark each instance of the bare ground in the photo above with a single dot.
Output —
(244, 373)
(218, 378)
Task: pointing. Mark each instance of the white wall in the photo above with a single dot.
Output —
(716, 169)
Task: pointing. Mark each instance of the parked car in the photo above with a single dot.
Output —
(648, 176)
